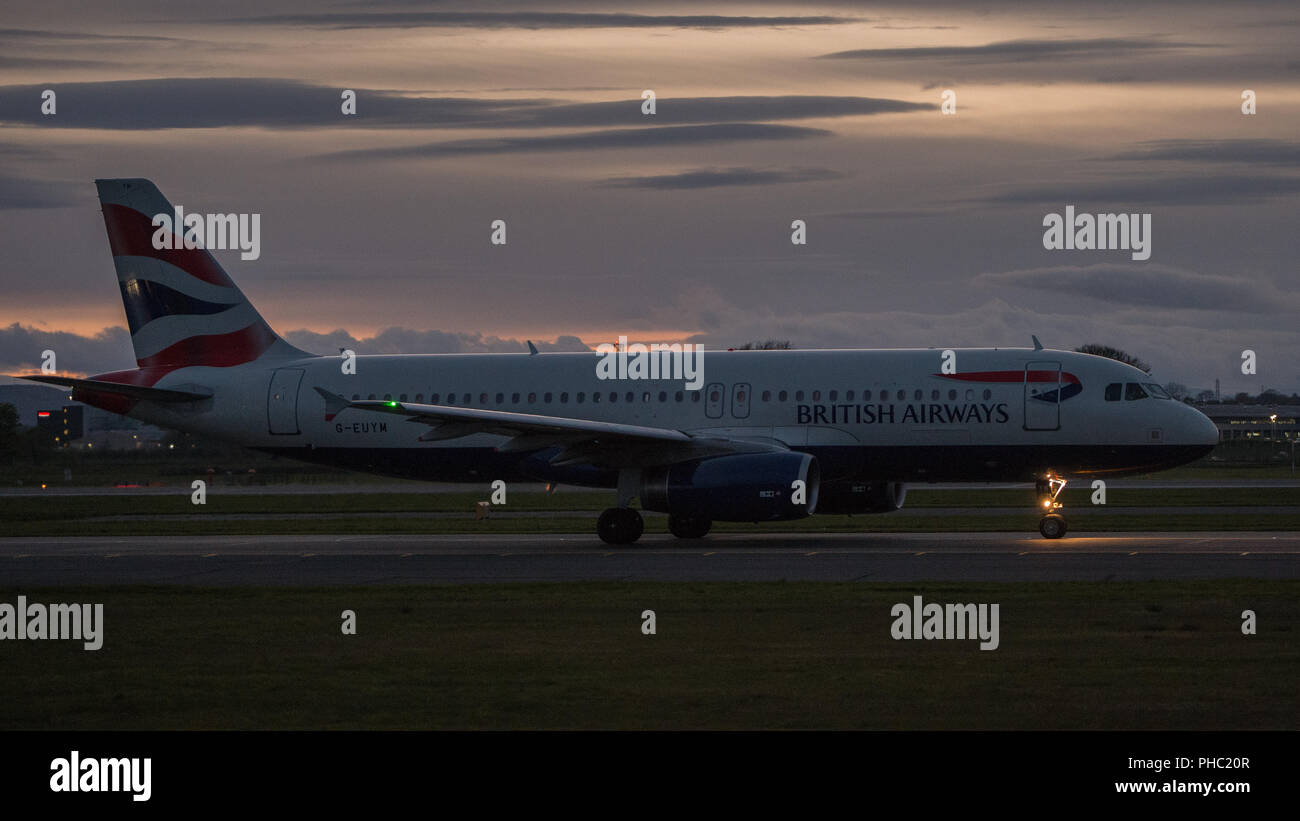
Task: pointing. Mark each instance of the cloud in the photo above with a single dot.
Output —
(1251, 151)
(18, 193)
(533, 20)
(1200, 189)
(659, 137)
(1022, 50)
(724, 177)
(215, 102)
(21, 347)
(110, 349)
(1159, 286)
(408, 341)
(275, 103)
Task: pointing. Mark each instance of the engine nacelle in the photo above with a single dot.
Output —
(861, 497)
(743, 487)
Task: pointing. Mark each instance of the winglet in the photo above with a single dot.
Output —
(333, 403)
(1038, 346)
(532, 349)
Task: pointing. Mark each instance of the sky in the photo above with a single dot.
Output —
(923, 228)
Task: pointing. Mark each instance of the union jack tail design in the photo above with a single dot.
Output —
(181, 306)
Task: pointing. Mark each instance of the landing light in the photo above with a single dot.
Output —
(1047, 503)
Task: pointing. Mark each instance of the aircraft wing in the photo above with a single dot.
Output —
(605, 444)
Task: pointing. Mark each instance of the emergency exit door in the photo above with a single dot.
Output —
(1043, 396)
(282, 400)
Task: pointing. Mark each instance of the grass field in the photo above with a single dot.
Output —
(742, 655)
(1181, 509)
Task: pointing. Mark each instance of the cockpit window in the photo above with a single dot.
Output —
(1155, 390)
(1133, 390)
(1113, 391)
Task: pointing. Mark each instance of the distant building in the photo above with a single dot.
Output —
(62, 425)
(1241, 422)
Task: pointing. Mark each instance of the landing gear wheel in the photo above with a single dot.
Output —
(689, 527)
(1052, 526)
(619, 525)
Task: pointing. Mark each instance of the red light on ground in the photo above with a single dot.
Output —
(42, 414)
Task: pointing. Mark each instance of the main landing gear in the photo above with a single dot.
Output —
(622, 525)
(1052, 525)
(619, 525)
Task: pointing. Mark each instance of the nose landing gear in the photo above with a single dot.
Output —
(1052, 525)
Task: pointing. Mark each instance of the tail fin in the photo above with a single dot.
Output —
(181, 306)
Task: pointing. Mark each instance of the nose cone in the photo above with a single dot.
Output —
(1201, 429)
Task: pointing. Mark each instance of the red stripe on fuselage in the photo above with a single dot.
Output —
(130, 233)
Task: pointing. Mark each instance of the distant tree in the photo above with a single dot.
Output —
(1114, 353)
(1243, 398)
(1175, 389)
(769, 345)
(8, 433)
(1205, 396)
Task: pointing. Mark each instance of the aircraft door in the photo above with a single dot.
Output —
(282, 401)
(1043, 396)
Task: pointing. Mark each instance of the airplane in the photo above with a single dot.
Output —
(766, 435)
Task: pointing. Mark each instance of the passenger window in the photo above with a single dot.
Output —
(514, 398)
(934, 394)
(645, 396)
(595, 396)
(501, 398)
(613, 396)
(451, 399)
(848, 396)
(581, 396)
(401, 398)
(834, 395)
(679, 396)
(695, 396)
(532, 398)
(817, 396)
(419, 397)
(970, 394)
(631, 397)
(482, 398)
(767, 396)
(663, 396)
(988, 394)
(388, 397)
(917, 394)
(371, 396)
(1133, 390)
(952, 394)
(782, 396)
(798, 396)
(902, 395)
(433, 399)
(866, 396)
(547, 397)
(1113, 391)
(564, 399)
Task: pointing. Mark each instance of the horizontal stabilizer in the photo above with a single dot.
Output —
(132, 391)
